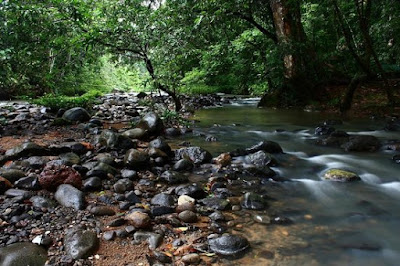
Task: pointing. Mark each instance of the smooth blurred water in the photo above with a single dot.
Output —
(334, 223)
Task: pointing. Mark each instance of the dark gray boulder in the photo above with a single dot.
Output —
(362, 143)
(21, 254)
(80, 244)
(229, 245)
(196, 154)
(172, 177)
(152, 123)
(267, 146)
(136, 159)
(69, 196)
(77, 114)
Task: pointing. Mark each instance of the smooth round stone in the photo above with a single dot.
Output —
(228, 245)
(139, 219)
(102, 211)
(191, 258)
(341, 175)
(92, 183)
(109, 235)
(162, 199)
(185, 199)
(80, 244)
(117, 222)
(21, 254)
(185, 207)
(188, 216)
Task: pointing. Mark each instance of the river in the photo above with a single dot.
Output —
(333, 223)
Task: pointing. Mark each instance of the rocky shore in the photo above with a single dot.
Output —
(104, 186)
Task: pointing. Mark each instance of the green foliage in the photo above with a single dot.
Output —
(172, 118)
(55, 102)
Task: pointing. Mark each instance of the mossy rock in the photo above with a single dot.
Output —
(341, 175)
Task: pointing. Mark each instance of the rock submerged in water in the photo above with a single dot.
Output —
(362, 143)
(341, 175)
(80, 244)
(253, 201)
(229, 245)
(19, 254)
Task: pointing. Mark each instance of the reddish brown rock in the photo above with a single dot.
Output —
(4, 184)
(139, 219)
(54, 175)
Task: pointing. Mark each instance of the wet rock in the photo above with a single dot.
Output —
(19, 254)
(323, 130)
(223, 159)
(341, 175)
(28, 182)
(4, 185)
(70, 158)
(183, 165)
(69, 196)
(102, 170)
(191, 258)
(135, 133)
(13, 193)
(267, 146)
(191, 190)
(262, 218)
(153, 239)
(113, 140)
(156, 153)
(196, 154)
(161, 257)
(73, 146)
(77, 114)
(172, 132)
(362, 143)
(228, 245)
(215, 203)
(188, 216)
(80, 244)
(139, 219)
(280, 220)
(396, 158)
(53, 175)
(130, 174)
(102, 211)
(260, 159)
(160, 144)
(92, 183)
(217, 216)
(37, 162)
(253, 201)
(211, 138)
(12, 175)
(335, 139)
(132, 198)
(42, 202)
(162, 199)
(123, 185)
(161, 210)
(172, 177)
(152, 123)
(136, 159)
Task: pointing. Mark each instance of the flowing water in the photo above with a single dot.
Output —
(334, 223)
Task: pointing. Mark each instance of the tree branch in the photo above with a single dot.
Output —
(263, 30)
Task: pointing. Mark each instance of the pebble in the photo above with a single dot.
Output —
(191, 258)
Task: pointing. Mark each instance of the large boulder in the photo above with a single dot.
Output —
(196, 154)
(135, 133)
(77, 114)
(267, 146)
(80, 244)
(54, 175)
(229, 245)
(160, 144)
(152, 123)
(362, 143)
(20, 254)
(341, 175)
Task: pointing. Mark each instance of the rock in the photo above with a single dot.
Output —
(253, 201)
(335, 139)
(152, 123)
(362, 143)
(37, 162)
(228, 245)
(70, 158)
(153, 239)
(21, 254)
(4, 185)
(130, 174)
(172, 132)
(102, 211)
(75, 147)
(185, 199)
(136, 159)
(25, 150)
(123, 185)
(12, 175)
(80, 244)
(132, 198)
(42, 202)
(12, 193)
(172, 177)
(341, 175)
(162, 199)
(260, 159)
(139, 219)
(135, 133)
(223, 159)
(191, 190)
(396, 158)
(185, 207)
(77, 114)
(217, 216)
(141, 95)
(102, 170)
(215, 203)
(116, 222)
(183, 165)
(92, 183)
(54, 175)
(191, 258)
(323, 130)
(196, 154)
(267, 146)
(156, 153)
(109, 235)
(188, 216)
(28, 182)
(69, 196)
(161, 144)
(161, 210)
(262, 218)
(113, 140)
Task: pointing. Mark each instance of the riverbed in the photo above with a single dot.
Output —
(333, 223)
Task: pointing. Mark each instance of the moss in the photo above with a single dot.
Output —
(340, 175)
